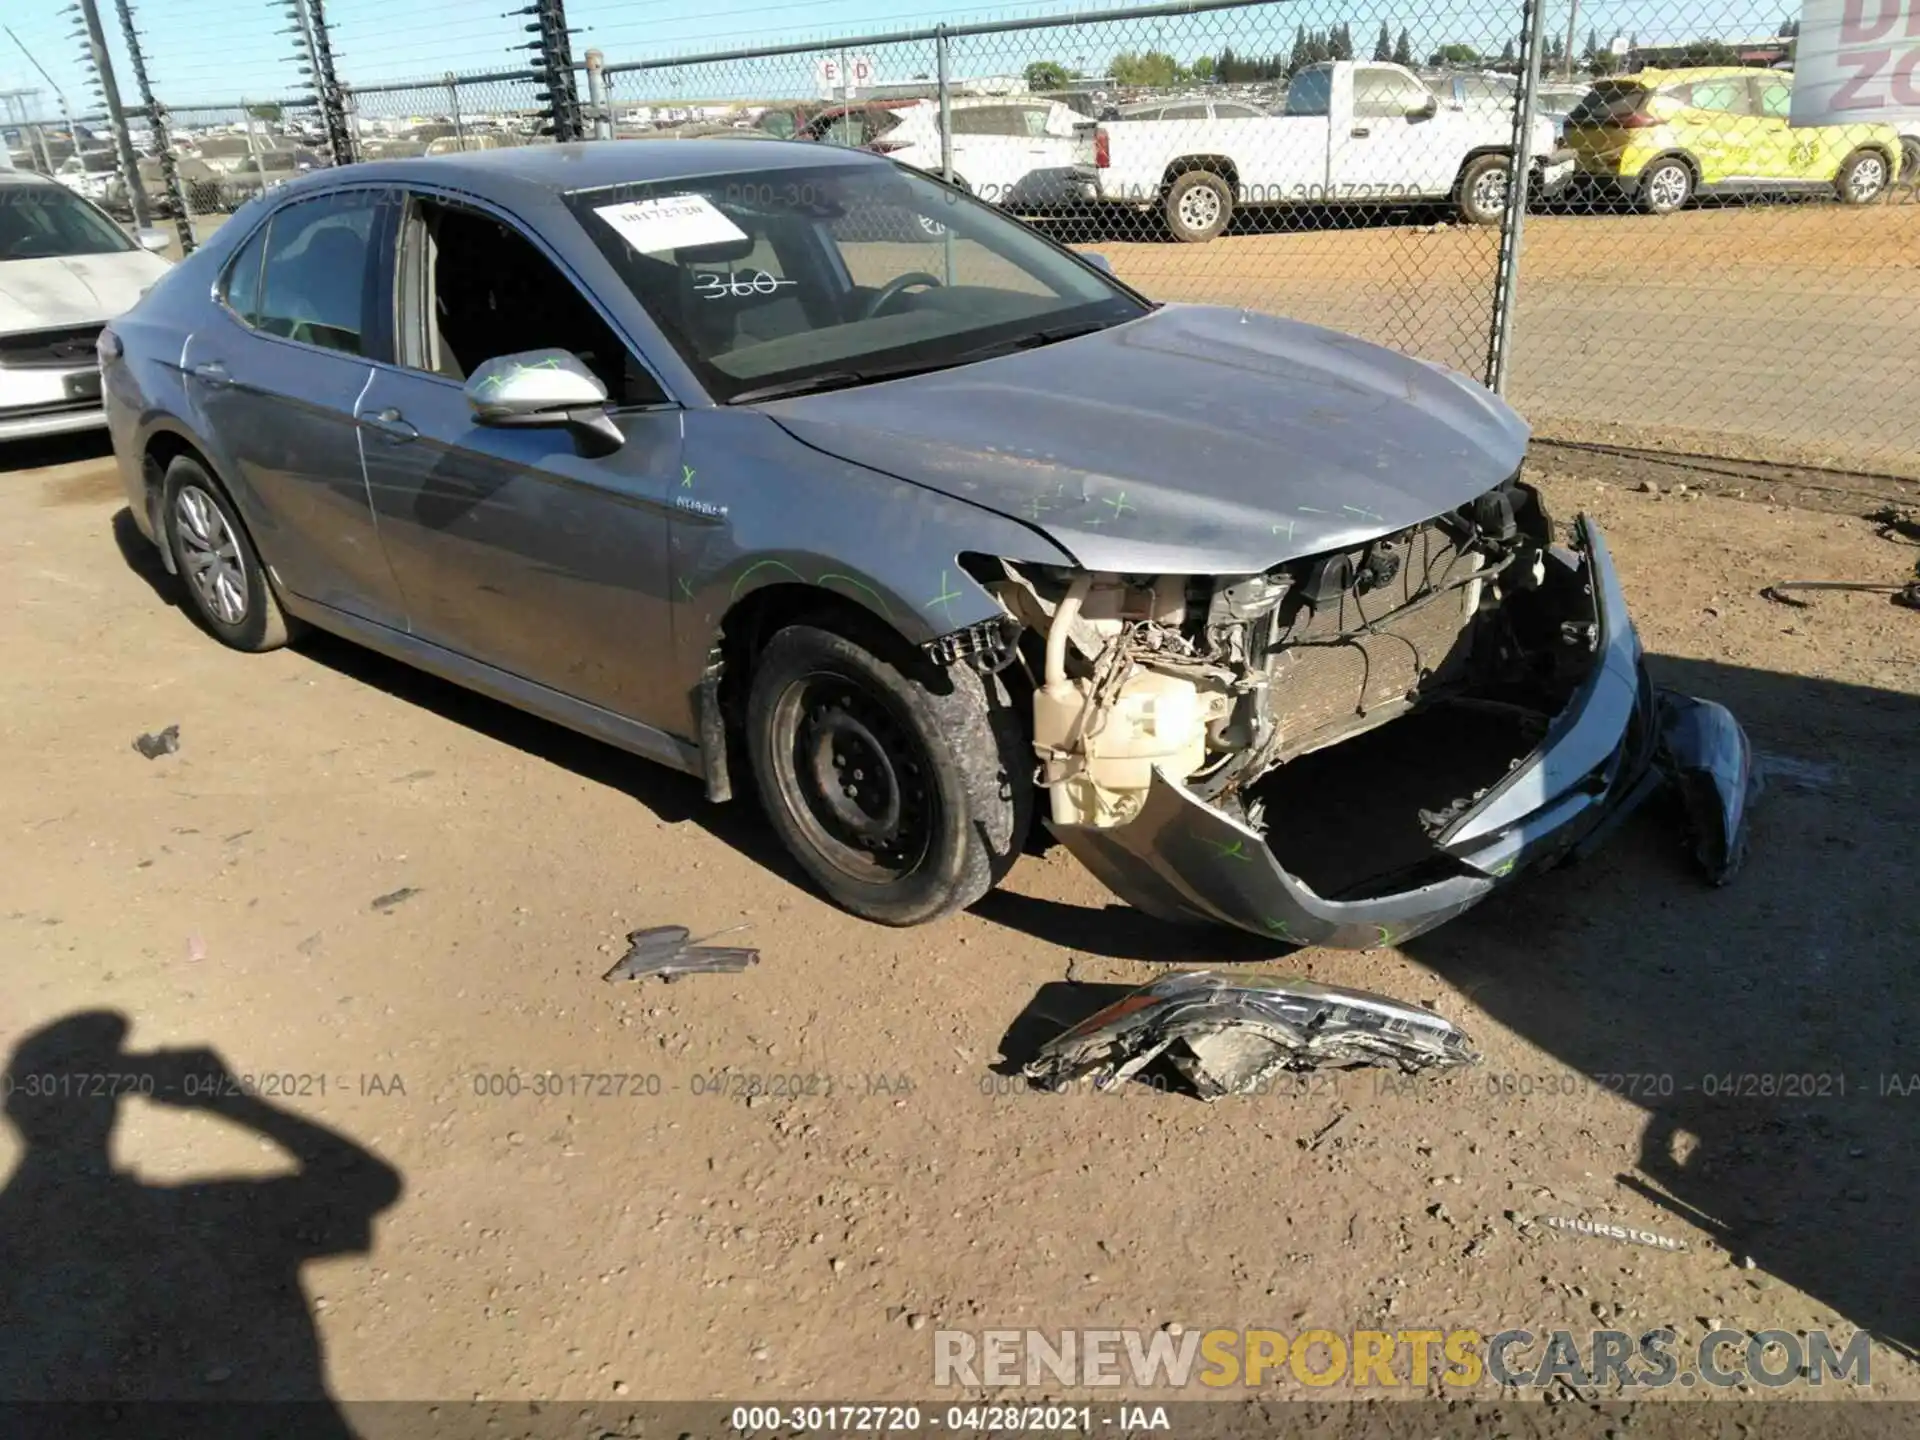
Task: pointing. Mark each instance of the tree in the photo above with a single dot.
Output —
(1153, 69)
(1298, 60)
(1383, 46)
(1507, 57)
(1604, 63)
(1593, 46)
(1047, 75)
(1403, 49)
(269, 113)
(1202, 69)
(1455, 54)
(1340, 43)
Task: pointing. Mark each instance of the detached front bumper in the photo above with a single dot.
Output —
(1556, 172)
(1613, 745)
(49, 400)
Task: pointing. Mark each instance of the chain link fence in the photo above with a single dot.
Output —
(1679, 268)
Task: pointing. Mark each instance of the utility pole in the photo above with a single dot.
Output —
(157, 124)
(1573, 25)
(110, 92)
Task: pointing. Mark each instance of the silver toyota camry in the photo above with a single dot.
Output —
(778, 459)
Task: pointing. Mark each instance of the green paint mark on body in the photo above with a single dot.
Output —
(945, 598)
(686, 477)
(1236, 851)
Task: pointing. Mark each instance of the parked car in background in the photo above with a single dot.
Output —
(1351, 134)
(65, 270)
(1012, 151)
(1190, 109)
(207, 191)
(89, 174)
(1662, 137)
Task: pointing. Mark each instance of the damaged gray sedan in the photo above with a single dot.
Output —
(730, 452)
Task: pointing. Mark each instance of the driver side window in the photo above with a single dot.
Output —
(313, 276)
(470, 288)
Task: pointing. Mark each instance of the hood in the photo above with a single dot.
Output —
(59, 291)
(1195, 440)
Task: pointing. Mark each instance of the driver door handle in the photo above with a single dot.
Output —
(392, 425)
(211, 372)
(1360, 132)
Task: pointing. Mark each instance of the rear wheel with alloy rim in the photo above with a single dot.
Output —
(1665, 186)
(225, 585)
(900, 787)
(1863, 177)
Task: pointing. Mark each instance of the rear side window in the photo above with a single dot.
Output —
(313, 286)
(1311, 92)
(243, 278)
(1776, 98)
(1722, 97)
(1184, 112)
(1236, 112)
(1606, 103)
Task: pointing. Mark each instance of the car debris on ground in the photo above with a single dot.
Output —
(1224, 1034)
(384, 903)
(667, 951)
(153, 746)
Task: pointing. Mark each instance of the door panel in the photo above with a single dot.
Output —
(514, 550)
(280, 411)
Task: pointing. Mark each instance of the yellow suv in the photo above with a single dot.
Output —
(1663, 136)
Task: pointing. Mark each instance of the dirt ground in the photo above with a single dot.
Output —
(398, 900)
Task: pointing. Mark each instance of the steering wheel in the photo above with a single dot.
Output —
(895, 288)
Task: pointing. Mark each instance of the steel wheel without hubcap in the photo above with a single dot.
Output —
(1200, 208)
(866, 802)
(210, 556)
(1490, 192)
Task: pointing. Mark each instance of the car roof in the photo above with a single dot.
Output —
(26, 177)
(595, 165)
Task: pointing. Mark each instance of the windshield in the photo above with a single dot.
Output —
(41, 221)
(786, 279)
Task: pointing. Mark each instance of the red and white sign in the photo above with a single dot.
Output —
(845, 74)
(1857, 61)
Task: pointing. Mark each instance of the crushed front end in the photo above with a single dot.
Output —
(1353, 747)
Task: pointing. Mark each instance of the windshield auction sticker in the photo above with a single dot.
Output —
(672, 222)
(1857, 60)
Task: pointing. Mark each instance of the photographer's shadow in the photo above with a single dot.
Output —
(113, 1289)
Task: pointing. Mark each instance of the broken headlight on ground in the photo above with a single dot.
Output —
(1224, 1035)
(1350, 747)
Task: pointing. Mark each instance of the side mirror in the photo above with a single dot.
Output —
(545, 388)
(1426, 109)
(151, 240)
(1097, 260)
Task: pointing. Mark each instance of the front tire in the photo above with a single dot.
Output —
(1910, 160)
(1665, 186)
(901, 788)
(1198, 207)
(1864, 177)
(226, 586)
(1483, 189)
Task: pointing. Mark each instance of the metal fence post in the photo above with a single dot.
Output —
(553, 67)
(110, 92)
(597, 95)
(946, 108)
(453, 110)
(1513, 219)
(157, 123)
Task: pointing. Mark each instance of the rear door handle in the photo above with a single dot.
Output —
(1360, 132)
(392, 425)
(211, 372)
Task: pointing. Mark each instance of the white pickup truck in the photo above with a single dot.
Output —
(1351, 134)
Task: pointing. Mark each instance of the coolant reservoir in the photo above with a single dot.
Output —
(1099, 764)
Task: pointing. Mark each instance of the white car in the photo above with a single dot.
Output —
(1013, 151)
(65, 270)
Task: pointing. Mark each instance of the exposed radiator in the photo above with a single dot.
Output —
(1359, 660)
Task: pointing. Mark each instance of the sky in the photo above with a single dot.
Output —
(223, 51)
